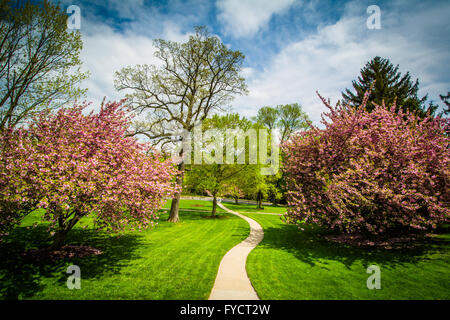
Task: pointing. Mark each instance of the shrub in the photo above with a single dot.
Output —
(374, 173)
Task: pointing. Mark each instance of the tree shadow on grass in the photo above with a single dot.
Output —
(21, 277)
(202, 215)
(311, 246)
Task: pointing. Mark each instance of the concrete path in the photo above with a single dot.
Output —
(232, 282)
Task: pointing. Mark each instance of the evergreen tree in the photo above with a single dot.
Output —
(390, 85)
(445, 99)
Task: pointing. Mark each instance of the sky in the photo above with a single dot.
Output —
(293, 48)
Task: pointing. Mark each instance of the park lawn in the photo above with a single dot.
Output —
(250, 208)
(198, 205)
(171, 261)
(291, 264)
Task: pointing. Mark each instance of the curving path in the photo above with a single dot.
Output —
(232, 282)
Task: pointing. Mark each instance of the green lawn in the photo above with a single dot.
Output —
(293, 264)
(172, 261)
(180, 261)
(198, 205)
(252, 208)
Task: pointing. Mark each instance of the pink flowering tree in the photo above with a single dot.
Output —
(373, 173)
(16, 198)
(74, 165)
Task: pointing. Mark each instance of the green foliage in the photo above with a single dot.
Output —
(287, 118)
(39, 60)
(291, 119)
(217, 179)
(389, 86)
(445, 99)
(268, 116)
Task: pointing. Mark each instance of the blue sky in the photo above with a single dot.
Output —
(293, 48)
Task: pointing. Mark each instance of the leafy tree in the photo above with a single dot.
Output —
(217, 178)
(74, 165)
(389, 85)
(287, 118)
(234, 191)
(267, 116)
(39, 60)
(260, 189)
(375, 172)
(195, 79)
(291, 119)
(275, 192)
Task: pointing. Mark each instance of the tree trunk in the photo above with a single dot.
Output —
(64, 228)
(173, 215)
(236, 200)
(259, 200)
(214, 208)
(58, 239)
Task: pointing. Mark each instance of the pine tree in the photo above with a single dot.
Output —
(390, 85)
(445, 99)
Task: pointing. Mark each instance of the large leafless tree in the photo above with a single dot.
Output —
(194, 79)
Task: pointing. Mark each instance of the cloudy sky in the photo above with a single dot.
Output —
(293, 48)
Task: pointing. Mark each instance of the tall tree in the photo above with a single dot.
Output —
(195, 79)
(389, 85)
(287, 118)
(267, 116)
(445, 99)
(39, 60)
(291, 119)
(217, 178)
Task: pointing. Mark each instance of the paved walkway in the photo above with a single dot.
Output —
(232, 282)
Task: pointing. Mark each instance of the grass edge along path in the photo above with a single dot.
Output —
(232, 281)
(173, 261)
(290, 264)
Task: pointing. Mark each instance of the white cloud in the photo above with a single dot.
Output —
(243, 18)
(105, 52)
(328, 60)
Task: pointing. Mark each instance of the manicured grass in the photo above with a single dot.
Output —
(197, 205)
(172, 261)
(294, 264)
(252, 208)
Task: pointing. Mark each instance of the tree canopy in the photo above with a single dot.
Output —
(387, 84)
(195, 79)
(74, 165)
(218, 179)
(39, 60)
(287, 118)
